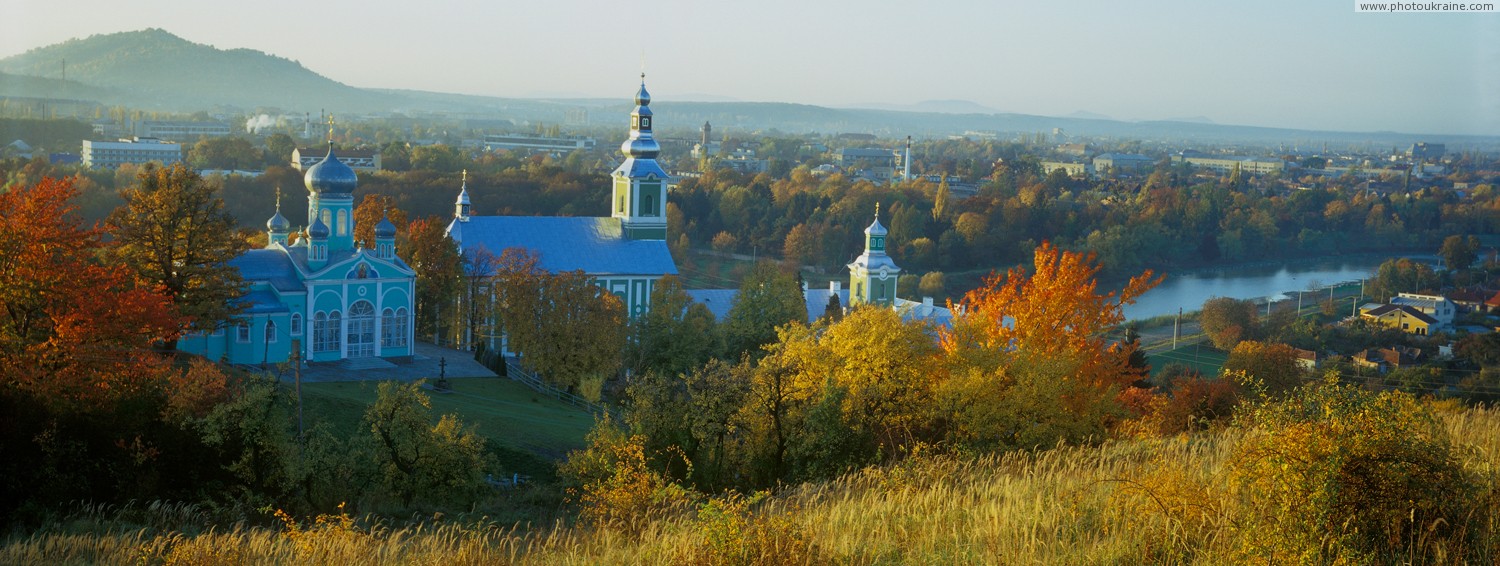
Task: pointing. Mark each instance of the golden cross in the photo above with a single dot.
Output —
(278, 198)
(330, 128)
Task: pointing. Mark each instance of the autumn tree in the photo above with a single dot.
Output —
(673, 337)
(440, 272)
(71, 329)
(1055, 310)
(369, 212)
(562, 324)
(1273, 368)
(768, 298)
(1459, 253)
(1227, 321)
(174, 233)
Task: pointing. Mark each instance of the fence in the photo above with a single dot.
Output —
(516, 372)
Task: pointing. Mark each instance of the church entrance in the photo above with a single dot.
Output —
(361, 330)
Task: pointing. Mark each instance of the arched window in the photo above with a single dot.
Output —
(326, 332)
(393, 328)
(361, 331)
(242, 333)
(296, 324)
(649, 208)
(270, 331)
(343, 228)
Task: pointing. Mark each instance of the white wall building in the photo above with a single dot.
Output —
(133, 150)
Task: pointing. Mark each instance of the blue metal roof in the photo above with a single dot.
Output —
(258, 302)
(270, 265)
(718, 301)
(641, 168)
(595, 245)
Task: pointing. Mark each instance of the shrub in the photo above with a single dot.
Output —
(1333, 474)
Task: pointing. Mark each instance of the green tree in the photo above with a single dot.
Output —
(173, 232)
(673, 337)
(224, 153)
(932, 285)
(279, 148)
(1401, 276)
(768, 298)
(563, 325)
(441, 462)
(1459, 253)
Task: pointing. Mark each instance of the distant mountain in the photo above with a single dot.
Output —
(1086, 115)
(155, 69)
(931, 106)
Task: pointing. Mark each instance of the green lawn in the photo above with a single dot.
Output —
(526, 429)
(1198, 356)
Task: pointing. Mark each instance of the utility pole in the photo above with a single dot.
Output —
(297, 371)
(1176, 328)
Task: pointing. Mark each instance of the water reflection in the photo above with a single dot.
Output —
(1190, 290)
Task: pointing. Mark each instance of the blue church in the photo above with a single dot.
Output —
(333, 299)
(626, 252)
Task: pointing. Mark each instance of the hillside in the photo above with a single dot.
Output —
(1155, 501)
(155, 69)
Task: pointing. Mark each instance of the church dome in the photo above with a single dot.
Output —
(385, 230)
(318, 230)
(875, 228)
(641, 148)
(642, 98)
(278, 223)
(330, 176)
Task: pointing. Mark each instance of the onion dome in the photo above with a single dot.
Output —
(642, 98)
(330, 176)
(875, 228)
(278, 223)
(385, 230)
(641, 144)
(318, 230)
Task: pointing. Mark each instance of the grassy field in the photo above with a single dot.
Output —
(519, 422)
(1198, 356)
(1156, 501)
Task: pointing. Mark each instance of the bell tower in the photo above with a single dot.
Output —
(872, 276)
(639, 198)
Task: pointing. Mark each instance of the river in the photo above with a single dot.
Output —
(1189, 290)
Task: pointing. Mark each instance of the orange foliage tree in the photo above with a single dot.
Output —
(1056, 311)
(72, 329)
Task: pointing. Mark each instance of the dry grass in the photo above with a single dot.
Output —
(1132, 502)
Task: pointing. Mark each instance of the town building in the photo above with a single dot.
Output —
(532, 143)
(325, 297)
(625, 253)
(135, 151)
(367, 160)
(1438, 307)
(1122, 164)
(181, 131)
(1229, 163)
(865, 157)
(1402, 317)
(1076, 170)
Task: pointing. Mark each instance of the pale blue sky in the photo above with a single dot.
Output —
(1313, 64)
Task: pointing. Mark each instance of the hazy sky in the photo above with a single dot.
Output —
(1313, 64)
